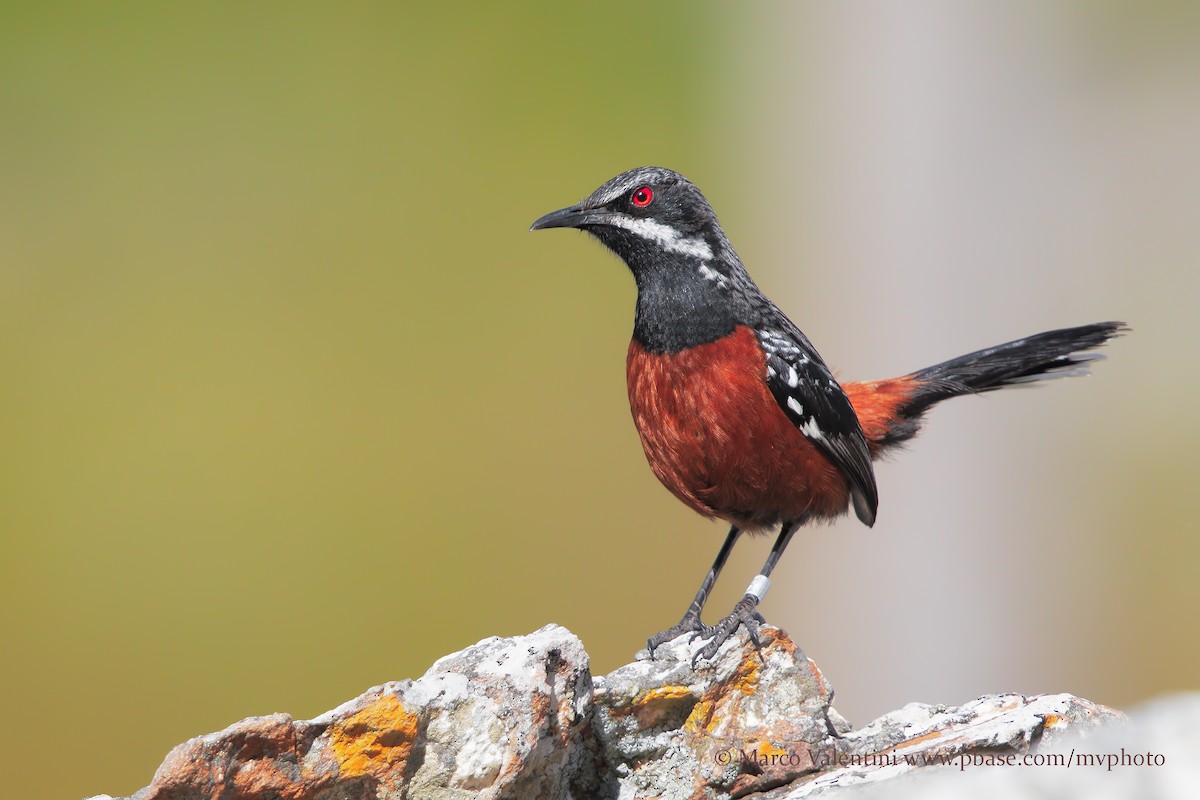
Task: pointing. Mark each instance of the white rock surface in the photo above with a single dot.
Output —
(1153, 755)
(506, 718)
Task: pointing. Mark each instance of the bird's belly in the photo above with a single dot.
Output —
(717, 439)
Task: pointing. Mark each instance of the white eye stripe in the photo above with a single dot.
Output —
(664, 235)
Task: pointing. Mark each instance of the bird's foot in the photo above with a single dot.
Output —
(689, 624)
(745, 614)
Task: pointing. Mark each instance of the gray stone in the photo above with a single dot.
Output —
(746, 721)
(505, 718)
(521, 717)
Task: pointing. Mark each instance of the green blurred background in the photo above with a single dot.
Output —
(291, 403)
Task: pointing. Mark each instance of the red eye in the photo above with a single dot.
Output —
(642, 197)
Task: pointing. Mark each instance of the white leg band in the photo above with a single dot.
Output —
(759, 586)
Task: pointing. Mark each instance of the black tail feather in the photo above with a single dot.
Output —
(1053, 354)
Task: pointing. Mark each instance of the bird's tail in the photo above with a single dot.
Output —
(890, 411)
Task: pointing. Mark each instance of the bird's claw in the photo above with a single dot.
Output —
(689, 624)
(744, 614)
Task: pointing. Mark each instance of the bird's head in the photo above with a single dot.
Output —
(651, 217)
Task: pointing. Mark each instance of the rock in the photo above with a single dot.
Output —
(1149, 756)
(978, 733)
(505, 718)
(520, 717)
(746, 722)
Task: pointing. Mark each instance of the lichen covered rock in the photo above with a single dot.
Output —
(521, 718)
(505, 718)
(745, 722)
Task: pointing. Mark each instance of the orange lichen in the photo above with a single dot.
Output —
(661, 705)
(725, 696)
(1051, 720)
(374, 740)
(764, 751)
(745, 679)
(662, 693)
(701, 716)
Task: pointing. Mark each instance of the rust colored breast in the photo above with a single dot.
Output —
(717, 439)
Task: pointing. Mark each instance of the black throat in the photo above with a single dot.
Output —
(676, 310)
(683, 300)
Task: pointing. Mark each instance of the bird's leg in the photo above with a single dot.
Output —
(691, 618)
(745, 613)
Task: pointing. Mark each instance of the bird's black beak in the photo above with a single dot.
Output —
(571, 217)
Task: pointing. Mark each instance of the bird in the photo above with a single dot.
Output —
(739, 416)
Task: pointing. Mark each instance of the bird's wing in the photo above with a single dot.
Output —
(815, 403)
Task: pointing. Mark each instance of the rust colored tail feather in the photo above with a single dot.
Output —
(890, 410)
